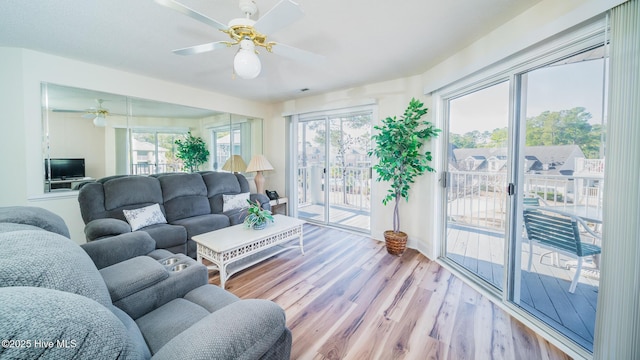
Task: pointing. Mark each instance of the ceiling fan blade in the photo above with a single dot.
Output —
(198, 49)
(297, 54)
(283, 14)
(67, 111)
(174, 5)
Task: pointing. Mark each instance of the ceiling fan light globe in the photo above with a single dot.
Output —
(100, 121)
(247, 64)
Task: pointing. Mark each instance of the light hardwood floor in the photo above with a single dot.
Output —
(346, 298)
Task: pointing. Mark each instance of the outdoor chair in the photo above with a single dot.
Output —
(559, 232)
(533, 200)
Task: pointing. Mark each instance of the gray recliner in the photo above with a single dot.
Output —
(55, 303)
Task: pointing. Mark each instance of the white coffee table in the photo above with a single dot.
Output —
(235, 248)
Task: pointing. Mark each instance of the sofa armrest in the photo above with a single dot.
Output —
(100, 228)
(245, 329)
(108, 251)
(262, 198)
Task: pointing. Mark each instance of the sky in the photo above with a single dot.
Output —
(551, 88)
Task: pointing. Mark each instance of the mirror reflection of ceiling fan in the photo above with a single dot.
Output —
(98, 114)
(249, 34)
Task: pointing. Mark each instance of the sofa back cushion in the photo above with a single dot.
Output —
(185, 195)
(44, 259)
(219, 183)
(31, 215)
(136, 191)
(107, 199)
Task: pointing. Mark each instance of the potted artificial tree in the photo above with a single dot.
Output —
(192, 151)
(400, 160)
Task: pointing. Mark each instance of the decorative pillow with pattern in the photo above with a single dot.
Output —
(148, 215)
(232, 202)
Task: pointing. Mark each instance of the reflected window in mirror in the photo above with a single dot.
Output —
(120, 135)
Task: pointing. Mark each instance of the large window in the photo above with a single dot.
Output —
(523, 143)
(154, 151)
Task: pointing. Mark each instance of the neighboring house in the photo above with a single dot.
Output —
(143, 155)
(546, 160)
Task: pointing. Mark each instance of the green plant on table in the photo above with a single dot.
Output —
(257, 217)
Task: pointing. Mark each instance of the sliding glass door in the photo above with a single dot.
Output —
(476, 191)
(531, 142)
(562, 167)
(334, 169)
(153, 152)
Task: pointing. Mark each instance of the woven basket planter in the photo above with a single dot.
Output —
(396, 242)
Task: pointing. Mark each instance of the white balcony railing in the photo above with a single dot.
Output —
(348, 187)
(479, 198)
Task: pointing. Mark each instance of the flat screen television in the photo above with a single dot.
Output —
(64, 169)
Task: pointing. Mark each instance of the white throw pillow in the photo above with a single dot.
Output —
(148, 215)
(232, 202)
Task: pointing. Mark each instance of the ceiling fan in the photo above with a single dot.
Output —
(249, 34)
(97, 114)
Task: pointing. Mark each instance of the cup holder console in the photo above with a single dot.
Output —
(169, 261)
(179, 267)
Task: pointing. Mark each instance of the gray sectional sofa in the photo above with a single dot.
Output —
(191, 203)
(130, 302)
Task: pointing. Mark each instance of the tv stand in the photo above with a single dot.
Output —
(68, 184)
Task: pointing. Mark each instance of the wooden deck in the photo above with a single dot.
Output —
(346, 298)
(543, 291)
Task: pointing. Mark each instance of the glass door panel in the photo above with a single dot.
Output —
(349, 171)
(311, 168)
(476, 190)
(143, 153)
(167, 160)
(562, 169)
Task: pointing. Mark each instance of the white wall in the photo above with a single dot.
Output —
(391, 98)
(21, 130)
(419, 217)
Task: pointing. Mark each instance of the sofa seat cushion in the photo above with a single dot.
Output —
(167, 235)
(132, 275)
(135, 341)
(204, 223)
(169, 320)
(259, 327)
(211, 297)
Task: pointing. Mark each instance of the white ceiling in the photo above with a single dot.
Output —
(363, 41)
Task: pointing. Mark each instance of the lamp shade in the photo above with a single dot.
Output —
(235, 164)
(259, 163)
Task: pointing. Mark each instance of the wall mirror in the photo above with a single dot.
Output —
(90, 135)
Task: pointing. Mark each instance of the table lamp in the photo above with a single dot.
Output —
(235, 164)
(259, 163)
